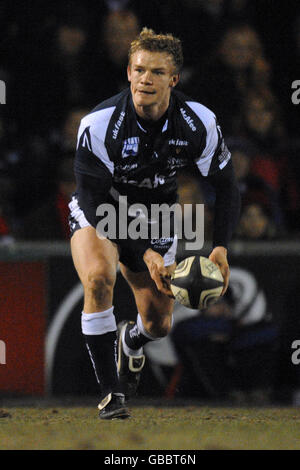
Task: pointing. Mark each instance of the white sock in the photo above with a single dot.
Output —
(98, 323)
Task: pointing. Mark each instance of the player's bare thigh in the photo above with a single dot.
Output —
(96, 262)
(154, 307)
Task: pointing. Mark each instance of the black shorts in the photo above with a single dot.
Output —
(129, 255)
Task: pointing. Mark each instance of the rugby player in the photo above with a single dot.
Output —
(132, 145)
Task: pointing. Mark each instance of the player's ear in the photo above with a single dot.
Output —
(129, 72)
(174, 80)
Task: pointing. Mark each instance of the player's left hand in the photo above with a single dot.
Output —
(219, 257)
(158, 272)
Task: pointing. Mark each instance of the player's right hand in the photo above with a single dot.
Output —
(158, 272)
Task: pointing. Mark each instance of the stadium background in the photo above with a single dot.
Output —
(57, 62)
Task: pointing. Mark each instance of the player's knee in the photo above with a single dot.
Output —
(160, 328)
(99, 284)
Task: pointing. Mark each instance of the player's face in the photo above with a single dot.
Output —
(151, 76)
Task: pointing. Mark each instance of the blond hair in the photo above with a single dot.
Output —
(148, 40)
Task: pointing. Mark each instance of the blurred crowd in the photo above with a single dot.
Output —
(60, 59)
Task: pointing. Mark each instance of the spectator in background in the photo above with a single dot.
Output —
(61, 146)
(199, 24)
(49, 221)
(261, 120)
(148, 13)
(261, 123)
(281, 34)
(38, 159)
(256, 223)
(67, 84)
(252, 186)
(55, 79)
(237, 66)
(108, 70)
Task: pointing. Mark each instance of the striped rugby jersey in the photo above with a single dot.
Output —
(144, 164)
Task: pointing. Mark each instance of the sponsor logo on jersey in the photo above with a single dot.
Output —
(175, 162)
(126, 167)
(188, 119)
(178, 143)
(118, 124)
(145, 183)
(161, 241)
(130, 147)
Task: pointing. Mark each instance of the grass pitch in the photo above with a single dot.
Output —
(150, 428)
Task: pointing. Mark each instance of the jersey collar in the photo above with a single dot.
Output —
(140, 123)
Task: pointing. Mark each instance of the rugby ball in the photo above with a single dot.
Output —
(197, 282)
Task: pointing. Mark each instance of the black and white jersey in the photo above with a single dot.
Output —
(143, 163)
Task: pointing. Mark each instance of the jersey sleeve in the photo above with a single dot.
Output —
(214, 154)
(91, 154)
(227, 204)
(93, 171)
